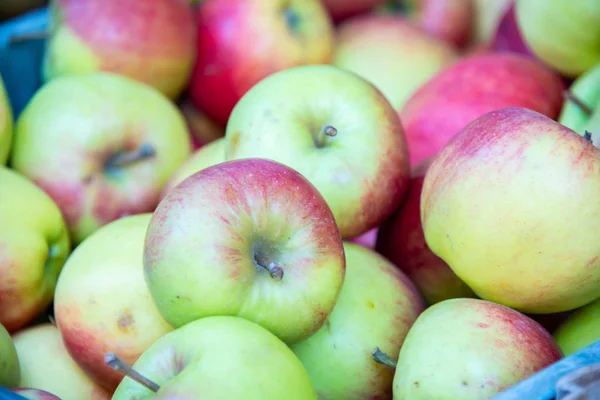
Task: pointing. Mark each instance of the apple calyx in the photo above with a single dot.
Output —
(125, 158)
(380, 357)
(113, 361)
(326, 132)
(275, 270)
(588, 136)
(292, 19)
(569, 96)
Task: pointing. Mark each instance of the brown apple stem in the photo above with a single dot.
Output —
(25, 37)
(382, 358)
(569, 96)
(113, 361)
(275, 270)
(588, 136)
(326, 132)
(125, 158)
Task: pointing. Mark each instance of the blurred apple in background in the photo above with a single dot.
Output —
(482, 349)
(102, 303)
(202, 128)
(508, 35)
(564, 34)
(401, 240)
(377, 306)
(10, 373)
(102, 165)
(220, 357)
(34, 244)
(45, 364)
(6, 124)
(487, 15)
(541, 256)
(150, 41)
(336, 129)
(35, 394)
(391, 53)
(241, 42)
(344, 9)
(471, 87)
(580, 329)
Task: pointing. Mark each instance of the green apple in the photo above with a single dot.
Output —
(363, 42)
(34, 244)
(10, 373)
(250, 238)
(376, 308)
(470, 349)
(564, 34)
(337, 130)
(46, 365)
(206, 156)
(219, 358)
(101, 145)
(102, 302)
(6, 124)
(580, 329)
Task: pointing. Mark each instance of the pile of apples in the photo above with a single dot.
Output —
(309, 199)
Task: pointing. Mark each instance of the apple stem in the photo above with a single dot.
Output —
(381, 357)
(25, 37)
(125, 158)
(275, 271)
(326, 132)
(113, 361)
(569, 96)
(588, 136)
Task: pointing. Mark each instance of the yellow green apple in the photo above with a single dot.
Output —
(102, 303)
(101, 145)
(580, 329)
(6, 124)
(10, 373)
(219, 358)
(34, 244)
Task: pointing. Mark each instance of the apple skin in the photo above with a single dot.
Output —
(211, 236)
(587, 89)
(63, 147)
(401, 240)
(34, 244)
(376, 308)
(102, 304)
(282, 118)
(362, 43)
(151, 42)
(580, 329)
(483, 349)
(10, 373)
(46, 365)
(6, 124)
(240, 42)
(35, 394)
(494, 160)
(565, 36)
(202, 128)
(208, 155)
(471, 87)
(344, 9)
(220, 358)
(367, 239)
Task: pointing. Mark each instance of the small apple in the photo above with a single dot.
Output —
(101, 145)
(471, 87)
(251, 238)
(470, 349)
(34, 244)
(363, 42)
(344, 9)
(203, 129)
(582, 107)
(6, 124)
(46, 365)
(240, 42)
(149, 41)
(102, 303)
(35, 394)
(401, 240)
(564, 34)
(10, 373)
(531, 179)
(377, 306)
(321, 120)
(579, 329)
(208, 155)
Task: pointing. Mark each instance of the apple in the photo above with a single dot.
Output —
(401, 240)
(46, 365)
(34, 244)
(582, 107)
(203, 130)
(208, 155)
(482, 349)
(35, 394)
(240, 42)
(101, 145)
(565, 35)
(6, 124)
(219, 357)
(487, 15)
(580, 329)
(150, 41)
(377, 306)
(508, 37)
(506, 205)
(471, 87)
(363, 42)
(321, 120)
(344, 9)
(251, 238)
(10, 373)
(102, 302)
